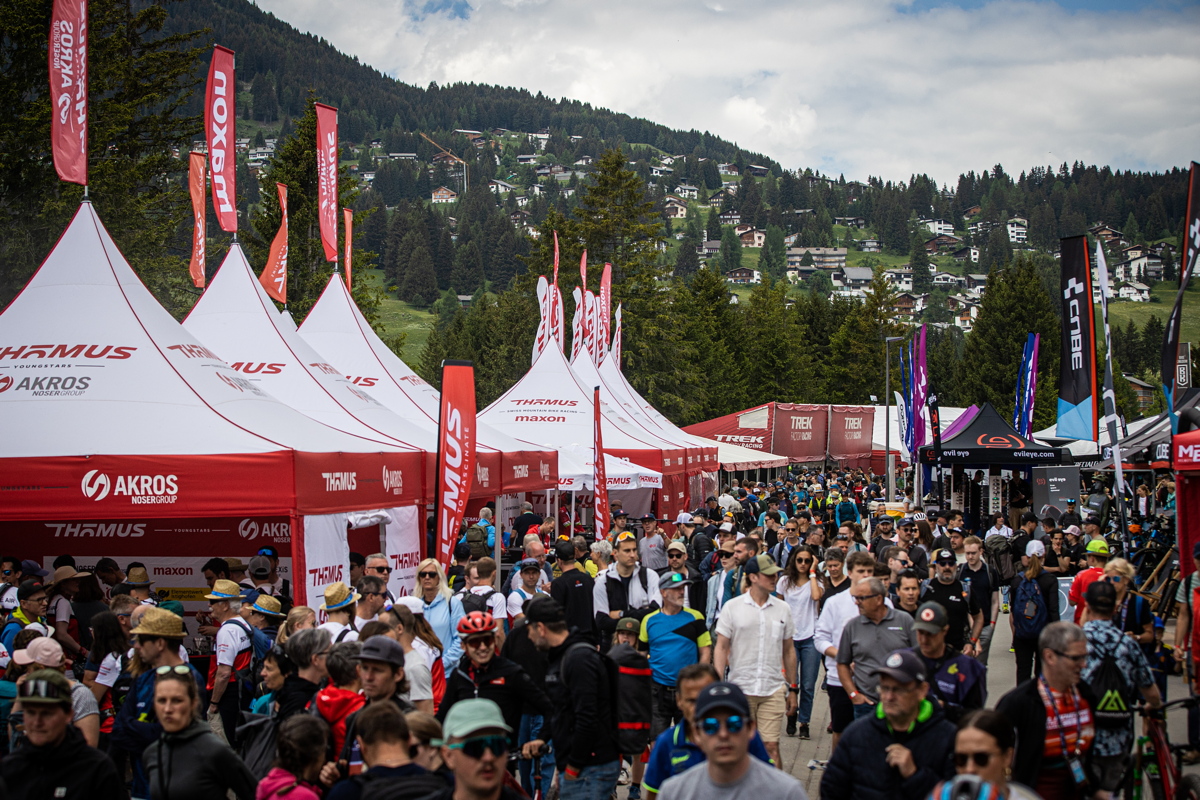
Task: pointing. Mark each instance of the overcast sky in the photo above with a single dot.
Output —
(860, 87)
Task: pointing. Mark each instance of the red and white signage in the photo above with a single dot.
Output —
(196, 175)
(605, 309)
(402, 534)
(850, 434)
(220, 124)
(456, 453)
(327, 178)
(274, 275)
(325, 558)
(799, 432)
(69, 89)
(601, 480)
(349, 217)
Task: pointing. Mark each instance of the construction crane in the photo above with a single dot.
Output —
(452, 157)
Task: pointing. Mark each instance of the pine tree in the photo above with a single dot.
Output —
(773, 261)
(1152, 345)
(687, 261)
(418, 284)
(731, 251)
(922, 280)
(713, 229)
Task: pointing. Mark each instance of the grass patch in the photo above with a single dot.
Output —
(1121, 311)
(398, 317)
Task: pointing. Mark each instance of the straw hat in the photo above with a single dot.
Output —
(236, 565)
(338, 596)
(225, 590)
(160, 622)
(137, 577)
(266, 604)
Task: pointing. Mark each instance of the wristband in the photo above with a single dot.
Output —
(853, 695)
(571, 772)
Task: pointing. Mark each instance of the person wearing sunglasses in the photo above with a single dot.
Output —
(802, 591)
(442, 609)
(904, 748)
(866, 641)
(10, 580)
(723, 730)
(385, 739)
(984, 748)
(475, 747)
(726, 560)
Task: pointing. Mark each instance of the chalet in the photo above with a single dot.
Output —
(756, 170)
(966, 254)
(855, 189)
(584, 161)
(519, 217)
(981, 228)
(542, 172)
(668, 160)
(851, 222)
(946, 280)
(803, 212)
(869, 245)
(973, 211)
(815, 181)
(853, 277)
(965, 316)
(738, 230)
(899, 278)
(674, 198)
(1146, 267)
(1135, 250)
(956, 302)
(731, 218)
(445, 158)
(444, 195)
(539, 139)
(728, 169)
(527, 159)
(942, 243)
(798, 273)
(976, 282)
(1133, 291)
(242, 145)
(908, 305)
(368, 176)
(823, 257)
(1106, 233)
(730, 186)
(674, 210)
(1018, 229)
(753, 238)
(938, 227)
(717, 198)
(743, 276)
(687, 191)
(790, 239)
(1147, 395)
(659, 171)
(557, 169)
(464, 300)
(709, 248)
(501, 187)
(499, 131)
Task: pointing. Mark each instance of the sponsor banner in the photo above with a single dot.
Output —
(326, 558)
(220, 125)
(456, 453)
(327, 178)
(522, 471)
(348, 216)
(600, 478)
(1052, 488)
(578, 324)
(615, 350)
(328, 482)
(673, 496)
(750, 428)
(90, 539)
(68, 50)
(402, 536)
(1109, 396)
(197, 172)
(1077, 417)
(605, 308)
(850, 431)
(125, 487)
(1187, 263)
(920, 389)
(543, 330)
(274, 275)
(798, 432)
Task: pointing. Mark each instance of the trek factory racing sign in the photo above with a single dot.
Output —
(54, 370)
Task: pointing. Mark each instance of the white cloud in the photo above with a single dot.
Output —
(861, 87)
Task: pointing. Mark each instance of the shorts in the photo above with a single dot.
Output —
(768, 713)
(841, 708)
(1110, 770)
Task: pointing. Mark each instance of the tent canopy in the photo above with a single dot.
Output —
(988, 439)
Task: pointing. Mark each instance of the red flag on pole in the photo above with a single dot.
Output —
(601, 510)
(69, 89)
(605, 321)
(327, 178)
(197, 172)
(274, 275)
(220, 125)
(456, 453)
(349, 217)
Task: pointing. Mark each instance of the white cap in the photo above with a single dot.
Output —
(413, 604)
(1035, 548)
(726, 527)
(684, 518)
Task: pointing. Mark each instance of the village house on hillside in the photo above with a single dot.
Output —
(444, 195)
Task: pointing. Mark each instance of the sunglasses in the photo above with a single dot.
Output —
(182, 669)
(804, 560)
(726, 555)
(427, 574)
(382, 569)
(980, 759)
(481, 641)
(859, 600)
(712, 725)
(1113, 578)
(791, 529)
(7, 571)
(1074, 659)
(266, 552)
(473, 748)
(675, 555)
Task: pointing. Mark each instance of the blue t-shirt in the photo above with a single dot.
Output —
(674, 641)
(674, 753)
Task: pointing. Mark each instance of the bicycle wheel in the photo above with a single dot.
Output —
(1189, 787)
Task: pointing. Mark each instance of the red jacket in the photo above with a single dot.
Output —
(335, 705)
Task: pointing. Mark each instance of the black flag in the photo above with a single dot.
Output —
(1187, 262)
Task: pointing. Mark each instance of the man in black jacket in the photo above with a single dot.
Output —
(55, 761)
(902, 750)
(583, 727)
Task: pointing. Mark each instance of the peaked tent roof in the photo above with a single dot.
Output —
(107, 406)
(988, 439)
(237, 319)
(336, 328)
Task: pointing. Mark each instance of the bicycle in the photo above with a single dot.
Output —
(1159, 764)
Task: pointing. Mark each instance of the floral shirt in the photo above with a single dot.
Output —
(1103, 638)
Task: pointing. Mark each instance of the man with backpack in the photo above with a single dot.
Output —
(480, 594)
(1034, 595)
(229, 680)
(1116, 670)
(574, 590)
(961, 608)
(676, 636)
(845, 509)
(983, 581)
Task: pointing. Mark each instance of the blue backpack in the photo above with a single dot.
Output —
(1029, 610)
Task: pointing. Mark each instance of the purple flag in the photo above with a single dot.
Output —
(920, 391)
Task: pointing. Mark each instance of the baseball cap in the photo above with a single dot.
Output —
(629, 625)
(648, 518)
(381, 648)
(1035, 548)
(42, 650)
(28, 589)
(544, 609)
(909, 521)
(903, 665)
(944, 556)
(721, 695)
(471, 715)
(676, 546)
(672, 580)
(1102, 596)
(1073, 530)
(528, 563)
(710, 499)
(47, 687)
(31, 567)
(1092, 519)
(931, 617)
(1028, 516)
(1098, 547)
(564, 550)
(684, 518)
(881, 518)
(260, 567)
(726, 527)
(620, 512)
(762, 564)
(415, 605)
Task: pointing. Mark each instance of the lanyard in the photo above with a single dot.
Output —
(1048, 699)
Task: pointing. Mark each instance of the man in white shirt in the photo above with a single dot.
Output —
(481, 577)
(754, 640)
(233, 653)
(374, 599)
(530, 573)
(339, 607)
(835, 613)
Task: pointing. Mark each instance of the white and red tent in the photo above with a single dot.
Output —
(121, 434)
(337, 329)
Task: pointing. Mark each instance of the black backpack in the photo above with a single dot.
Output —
(476, 602)
(630, 682)
(1115, 696)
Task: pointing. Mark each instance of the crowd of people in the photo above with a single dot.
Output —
(670, 655)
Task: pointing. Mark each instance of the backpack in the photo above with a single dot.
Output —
(260, 645)
(477, 539)
(1028, 609)
(630, 683)
(122, 686)
(999, 555)
(845, 511)
(1114, 693)
(476, 602)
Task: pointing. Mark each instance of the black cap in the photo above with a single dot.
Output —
(381, 648)
(1092, 519)
(462, 552)
(564, 550)
(947, 556)
(721, 695)
(931, 618)
(1028, 517)
(543, 608)
(28, 589)
(1101, 596)
(903, 665)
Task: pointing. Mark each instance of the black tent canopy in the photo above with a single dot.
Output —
(989, 439)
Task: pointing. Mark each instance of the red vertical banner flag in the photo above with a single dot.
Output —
(220, 126)
(605, 309)
(456, 453)
(69, 89)
(327, 178)
(197, 172)
(274, 275)
(601, 509)
(349, 217)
